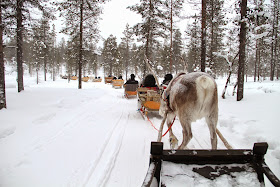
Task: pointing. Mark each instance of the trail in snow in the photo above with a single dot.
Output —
(100, 170)
(96, 137)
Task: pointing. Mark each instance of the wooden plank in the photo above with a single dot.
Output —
(208, 156)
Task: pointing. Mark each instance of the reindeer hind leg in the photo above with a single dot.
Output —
(172, 138)
(212, 125)
(187, 133)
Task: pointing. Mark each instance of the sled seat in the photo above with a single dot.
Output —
(74, 78)
(108, 79)
(118, 83)
(149, 98)
(97, 80)
(85, 79)
(130, 90)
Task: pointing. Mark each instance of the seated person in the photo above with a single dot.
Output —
(132, 80)
(120, 77)
(149, 81)
(167, 79)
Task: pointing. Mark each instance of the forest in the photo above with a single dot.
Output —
(241, 39)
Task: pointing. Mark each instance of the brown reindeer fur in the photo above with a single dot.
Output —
(191, 97)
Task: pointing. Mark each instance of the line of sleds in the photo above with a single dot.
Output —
(84, 79)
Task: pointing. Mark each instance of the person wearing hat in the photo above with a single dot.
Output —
(132, 80)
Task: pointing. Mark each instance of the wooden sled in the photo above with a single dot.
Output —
(85, 79)
(96, 80)
(210, 164)
(149, 99)
(108, 79)
(74, 78)
(130, 90)
(117, 83)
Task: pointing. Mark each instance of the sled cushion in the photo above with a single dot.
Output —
(152, 105)
(131, 92)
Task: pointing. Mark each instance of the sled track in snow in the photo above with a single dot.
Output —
(67, 125)
(101, 168)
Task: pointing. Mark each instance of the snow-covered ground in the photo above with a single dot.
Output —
(53, 134)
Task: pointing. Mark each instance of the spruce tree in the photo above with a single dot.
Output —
(110, 54)
(153, 24)
(81, 20)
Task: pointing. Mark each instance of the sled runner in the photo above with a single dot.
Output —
(209, 165)
(108, 79)
(148, 99)
(130, 90)
(118, 83)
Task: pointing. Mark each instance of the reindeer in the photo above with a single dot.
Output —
(191, 97)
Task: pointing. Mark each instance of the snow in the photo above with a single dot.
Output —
(179, 175)
(53, 134)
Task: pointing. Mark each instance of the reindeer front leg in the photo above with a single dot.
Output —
(172, 138)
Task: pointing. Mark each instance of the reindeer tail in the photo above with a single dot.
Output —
(205, 82)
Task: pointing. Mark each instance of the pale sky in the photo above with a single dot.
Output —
(115, 17)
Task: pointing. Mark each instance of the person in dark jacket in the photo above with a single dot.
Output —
(149, 81)
(132, 80)
(167, 79)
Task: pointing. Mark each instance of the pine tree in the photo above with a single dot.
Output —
(21, 10)
(194, 49)
(203, 35)
(81, 19)
(242, 55)
(274, 34)
(215, 24)
(177, 50)
(126, 47)
(153, 24)
(173, 9)
(2, 69)
(110, 55)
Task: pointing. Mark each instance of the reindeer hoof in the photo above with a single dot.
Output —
(173, 143)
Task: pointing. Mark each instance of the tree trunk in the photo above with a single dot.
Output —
(242, 56)
(276, 48)
(45, 50)
(81, 45)
(19, 45)
(274, 39)
(171, 42)
(203, 36)
(2, 69)
(256, 62)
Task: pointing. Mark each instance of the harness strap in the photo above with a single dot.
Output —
(165, 95)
